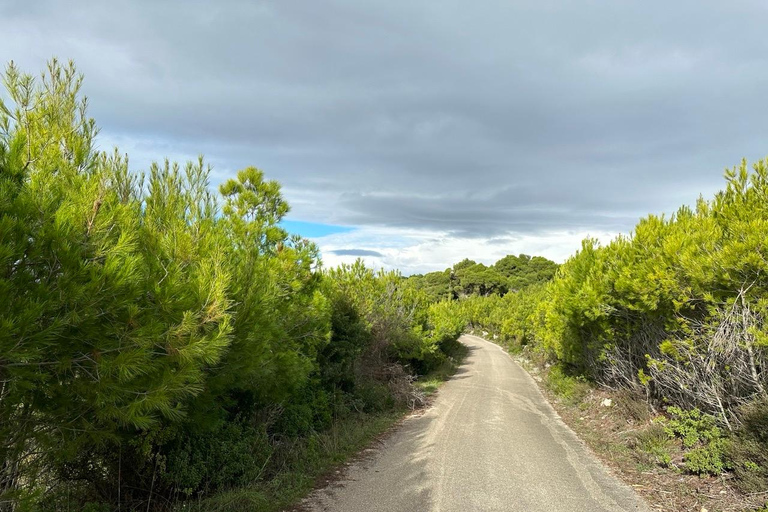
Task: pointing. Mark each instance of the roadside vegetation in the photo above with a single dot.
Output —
(673, 316)
(164, 346)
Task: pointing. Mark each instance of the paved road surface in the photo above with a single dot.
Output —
(490, 442)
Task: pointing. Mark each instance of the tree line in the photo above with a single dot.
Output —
(160, 341)
(469, 278)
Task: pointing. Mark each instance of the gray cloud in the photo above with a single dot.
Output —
(479, 119)
(356, 252)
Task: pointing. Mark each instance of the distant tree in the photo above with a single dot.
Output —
(523, 270)
(463, 264)
(479, 280)
(437, 285)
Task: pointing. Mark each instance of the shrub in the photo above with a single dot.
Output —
(692, 426)
(310, 410)
(373, 396)
(707, 448)
(710, 459)
(233, 454)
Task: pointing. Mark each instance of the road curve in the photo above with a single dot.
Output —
(490, 442)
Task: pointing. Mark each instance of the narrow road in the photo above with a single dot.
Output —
(490, 442)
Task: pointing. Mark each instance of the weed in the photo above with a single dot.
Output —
(707, 449)
(570, 389)
(709, 459)
(633, 406)
(653, 445)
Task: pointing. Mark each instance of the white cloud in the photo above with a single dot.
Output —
(415, 252)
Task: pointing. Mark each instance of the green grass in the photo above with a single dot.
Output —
(653, 446)
(567, 388)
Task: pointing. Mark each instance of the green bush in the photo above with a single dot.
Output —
(372, 396)
(679, 306)
(152, 329)
(308, 411)
(692, 426)
(709, 459)
(707, 449)
(231, 455)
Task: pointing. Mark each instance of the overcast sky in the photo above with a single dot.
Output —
(416, 133)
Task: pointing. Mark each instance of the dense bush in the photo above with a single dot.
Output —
(675, 311)
(678, 307)
(159, 341)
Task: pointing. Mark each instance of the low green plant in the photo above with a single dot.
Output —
(707, 448)
(709, 459)
(296, 464)
(654, 443)
(569, 388)
(692, 426)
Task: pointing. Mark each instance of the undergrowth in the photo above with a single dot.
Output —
(570, 388)
(302, 461)
(429, 383)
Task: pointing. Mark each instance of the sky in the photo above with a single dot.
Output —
(414, 133)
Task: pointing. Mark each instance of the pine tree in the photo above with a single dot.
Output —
(113, 302)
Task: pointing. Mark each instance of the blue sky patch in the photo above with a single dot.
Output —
(313, 229)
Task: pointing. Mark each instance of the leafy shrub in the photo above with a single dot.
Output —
(692, 426)
(707, 448)
(709, 459)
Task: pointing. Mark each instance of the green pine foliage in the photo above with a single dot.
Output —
(676, 310)
(468, 278)
(523, 270)
(113, 301)
(160, 341)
